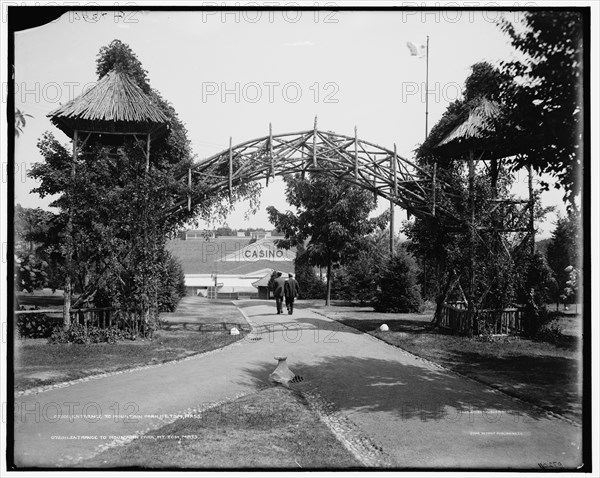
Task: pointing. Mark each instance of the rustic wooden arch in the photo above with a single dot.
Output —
(348, 158)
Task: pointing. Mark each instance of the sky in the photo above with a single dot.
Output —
(230, 74)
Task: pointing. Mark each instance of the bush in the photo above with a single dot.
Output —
(550, 332)
(311, 286)
(357, 279)
(398, 287)
(36, 326)
(78, 334)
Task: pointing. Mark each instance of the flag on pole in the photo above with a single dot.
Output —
(417, 49)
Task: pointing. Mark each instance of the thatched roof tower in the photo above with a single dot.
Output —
(115, 105)
(478, 125)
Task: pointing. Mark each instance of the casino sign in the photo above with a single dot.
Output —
(262, 250)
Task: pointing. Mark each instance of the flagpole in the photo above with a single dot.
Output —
(427, 87)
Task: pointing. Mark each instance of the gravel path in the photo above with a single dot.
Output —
(390, 408)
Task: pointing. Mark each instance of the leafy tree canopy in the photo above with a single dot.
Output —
(544, 98)
(119, 56)
(333, 216)
(564, 250)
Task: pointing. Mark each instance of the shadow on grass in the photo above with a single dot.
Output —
(546, 374)
(407, 391)
(550, 381)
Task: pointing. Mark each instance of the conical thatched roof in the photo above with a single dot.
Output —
(116, 104)
(478, 133)
(478, 125)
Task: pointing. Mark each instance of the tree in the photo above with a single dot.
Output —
(224, 231)
(544, 101)
(20, 121)
(34, 253)
(311, 283)
(31, 227)
(358, 278)
(398, 287)
(120, 213)
(473, 260)
(572, 285)
(563, 252)
(332, 218)
(118, 55)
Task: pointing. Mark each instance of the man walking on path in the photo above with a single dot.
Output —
(291, 290)
(278, 290)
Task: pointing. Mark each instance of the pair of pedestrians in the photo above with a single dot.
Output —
(287, 289)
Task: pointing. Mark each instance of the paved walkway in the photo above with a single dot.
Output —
(419, 414)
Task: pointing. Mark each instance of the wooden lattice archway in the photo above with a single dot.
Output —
(348, 158)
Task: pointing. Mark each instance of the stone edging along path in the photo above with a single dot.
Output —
(45, 388)
(496, 389)
(53, 386)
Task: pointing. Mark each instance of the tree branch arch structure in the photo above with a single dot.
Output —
(348, 158)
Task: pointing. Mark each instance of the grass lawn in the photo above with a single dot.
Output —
(273, 428)
(199, 313)
(540, 372)
(37, 363)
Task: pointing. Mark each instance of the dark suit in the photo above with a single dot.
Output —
(278, 289)
(291, 290)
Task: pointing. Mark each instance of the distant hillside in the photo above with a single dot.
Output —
(197, 256)
(202, 256)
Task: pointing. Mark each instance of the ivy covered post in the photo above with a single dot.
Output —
(68, 290)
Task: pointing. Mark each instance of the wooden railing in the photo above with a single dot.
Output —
(100, 317)
(457, 319)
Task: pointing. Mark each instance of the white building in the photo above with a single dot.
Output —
(229, 265)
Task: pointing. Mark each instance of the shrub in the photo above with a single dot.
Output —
(36, 326)
(357, 279)
(311, 286)
(550, 332)
(79, 334)
(398, 287)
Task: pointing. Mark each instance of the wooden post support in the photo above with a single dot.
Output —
(531, 209)
(230, 169)
(433, 188)
(271, 153)
(147, 152)
(355, 153)
(189, 189)
(393, 193)
(392, 227)
(395, 171)
(67, 293)
(374, 182)
(315, 144)
(471, 297)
